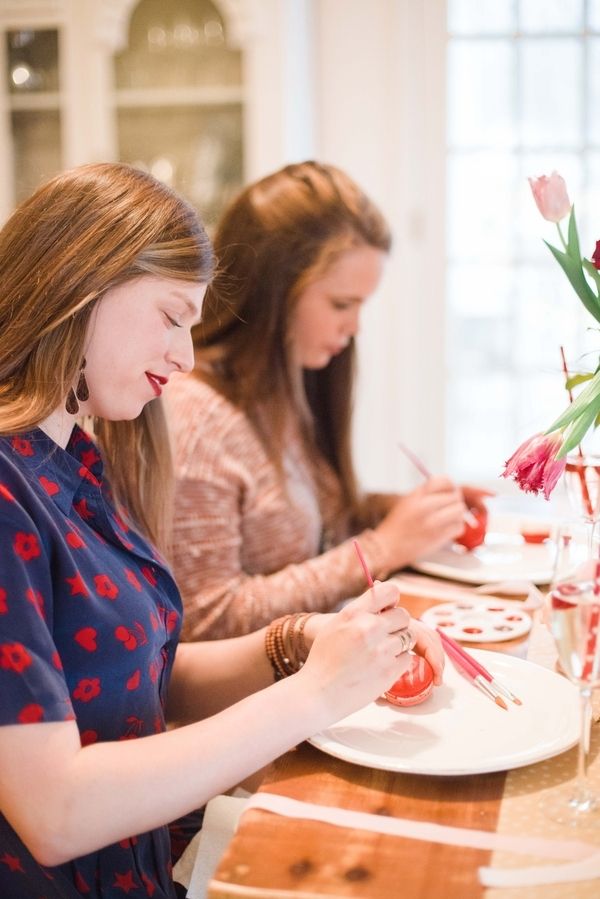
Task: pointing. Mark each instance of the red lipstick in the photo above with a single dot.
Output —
(156, 381)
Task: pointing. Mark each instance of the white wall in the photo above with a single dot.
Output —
(380, 115)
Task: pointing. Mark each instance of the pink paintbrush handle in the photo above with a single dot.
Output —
(448, 641)
(363, 563)
(465, 664)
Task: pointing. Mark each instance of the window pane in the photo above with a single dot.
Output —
(481, 188)
(510, 306)
(594, 15)
(593, 83)
(480, 95)
(197, 151)
(36, 143)
(481, 16)
(480, 417)
(551, 91)
(32, 61)
(550, 15)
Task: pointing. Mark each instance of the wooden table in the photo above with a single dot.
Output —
(271, 856)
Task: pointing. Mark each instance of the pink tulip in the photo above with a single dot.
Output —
(596, 256)
(551, 196)
(534, 465)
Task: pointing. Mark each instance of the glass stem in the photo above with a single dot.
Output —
(591, 531)
(583, 796)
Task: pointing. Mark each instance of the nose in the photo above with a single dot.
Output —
(181, 350)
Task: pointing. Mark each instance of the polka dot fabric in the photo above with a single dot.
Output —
(89, 622)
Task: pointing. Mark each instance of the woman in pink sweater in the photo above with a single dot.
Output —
(267, 499)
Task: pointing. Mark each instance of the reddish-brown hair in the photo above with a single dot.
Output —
(84, 232)
(280, 234)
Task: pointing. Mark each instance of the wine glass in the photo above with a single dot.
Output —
(573, 616)
(582, 480)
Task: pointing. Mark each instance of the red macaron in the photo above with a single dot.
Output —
(415, 685)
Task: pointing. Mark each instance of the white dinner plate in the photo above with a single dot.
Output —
(458, 730)
(502, 557)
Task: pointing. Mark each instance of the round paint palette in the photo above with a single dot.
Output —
(478, 621)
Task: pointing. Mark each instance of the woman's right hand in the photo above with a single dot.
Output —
(421, 522)
(357, 653)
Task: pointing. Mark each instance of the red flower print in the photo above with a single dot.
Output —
(23, 447)
(134, 681)
(26, 546)
(57, 661)
(50, 487)
(6, 494)
(36, 599)
(3, 606)
(30, 714)
(150, 887)
(171, 621)
(125, 542)
(12, 862)
(81, 884)
(88, 737)
(87, 688)
(150, 576)
(89, 457)
(105, 587)
(86, 637)
(77, 585)
(82, 509)
(132, 579)
(134, 729)
(87, 474)
(14, 656)
(127, 637)
(74, 540)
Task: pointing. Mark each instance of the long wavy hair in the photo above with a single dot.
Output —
(279, 235)
(84, 232)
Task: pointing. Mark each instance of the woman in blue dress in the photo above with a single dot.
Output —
(103, 272)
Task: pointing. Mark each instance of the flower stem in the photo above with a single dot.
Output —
(560, 234)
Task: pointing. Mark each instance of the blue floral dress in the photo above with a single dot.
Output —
(89, 623)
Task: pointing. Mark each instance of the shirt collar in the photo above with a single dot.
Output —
(59, 471)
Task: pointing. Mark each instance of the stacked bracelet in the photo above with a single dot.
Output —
(285, 644)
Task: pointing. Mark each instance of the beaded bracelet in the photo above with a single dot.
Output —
(285, 645)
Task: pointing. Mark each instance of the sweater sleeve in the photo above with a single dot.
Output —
(225, 483)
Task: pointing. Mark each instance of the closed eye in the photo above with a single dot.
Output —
(341, 305)
(172, 321)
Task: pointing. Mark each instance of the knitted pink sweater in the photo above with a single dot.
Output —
(247, 548)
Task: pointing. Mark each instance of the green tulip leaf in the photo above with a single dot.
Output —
(574, 273)
(587, 396)
(579, 428)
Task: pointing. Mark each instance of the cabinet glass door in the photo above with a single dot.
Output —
(32, 85)
(179, 101)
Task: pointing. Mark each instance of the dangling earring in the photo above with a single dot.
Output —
(81, 392)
